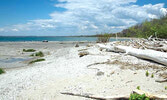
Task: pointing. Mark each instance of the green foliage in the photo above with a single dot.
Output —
(165, 87)
(135, 96)
(138, 87)
(39, 54)
(154, 27)
(29, 50)
(1, 71)
(37, 60)
(147, 73)
(152, 75)
(103, 38)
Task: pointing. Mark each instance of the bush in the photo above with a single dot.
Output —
(39, 54)
(103, 38)
(152, 75)
(135, 96)
(138, 87)
(1, 71)
(37, 60)
(147, 73)
(29, 50)
(165, 87)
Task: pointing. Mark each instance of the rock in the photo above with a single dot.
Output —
(100, 73)
(81, 54)
(45, 41)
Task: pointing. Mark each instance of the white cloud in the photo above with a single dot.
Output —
(91, 16)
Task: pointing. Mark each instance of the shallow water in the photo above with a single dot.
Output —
(12, 60)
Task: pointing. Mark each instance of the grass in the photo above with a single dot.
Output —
(1, 71)
(147, 73)
(29, 50)
(37, 60)
(135, 96)
(138, 87)
(39, 54)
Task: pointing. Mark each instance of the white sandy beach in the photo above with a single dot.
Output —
(65, 71)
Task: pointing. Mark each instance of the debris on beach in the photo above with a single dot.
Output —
(135, 49)
(83, 53)
(120, 97)
(77, 45)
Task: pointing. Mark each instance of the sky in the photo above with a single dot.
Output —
(74, 17)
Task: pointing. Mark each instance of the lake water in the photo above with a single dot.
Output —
(49, 38)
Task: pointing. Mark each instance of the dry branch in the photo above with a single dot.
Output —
(98, 97)
(161, 81)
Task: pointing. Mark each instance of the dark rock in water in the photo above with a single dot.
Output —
(45, 41)
(77, 45)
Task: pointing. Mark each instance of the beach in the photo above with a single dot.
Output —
(64, 71)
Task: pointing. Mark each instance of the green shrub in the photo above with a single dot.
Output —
(152, 75)
(165, 87)
(138, 87)
(147, 73)
(39, 54)
(29, 50)
(135, 96)
(103, 38)
(37, 60)
(1, 71)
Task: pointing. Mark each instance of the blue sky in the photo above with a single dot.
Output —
(74, 17)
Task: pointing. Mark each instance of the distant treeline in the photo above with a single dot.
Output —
(155, 27)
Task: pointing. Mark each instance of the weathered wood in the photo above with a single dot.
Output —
(161, 81)
(98, 97)
(152, 96)
(83, 53)
(156, 56)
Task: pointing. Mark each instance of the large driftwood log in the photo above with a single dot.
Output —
(152, 96)
(156, 56)
(118, 97)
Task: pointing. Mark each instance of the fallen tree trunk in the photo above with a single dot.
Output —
(156, 56)
(118, 97)
(161, 81)
(98, 97)
(151, 96)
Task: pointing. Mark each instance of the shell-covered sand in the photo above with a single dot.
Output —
(64, 71)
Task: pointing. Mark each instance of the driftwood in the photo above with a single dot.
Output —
(119, 97)
(83, 53)
(152, 96)
(156, 56)
(161, 81)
